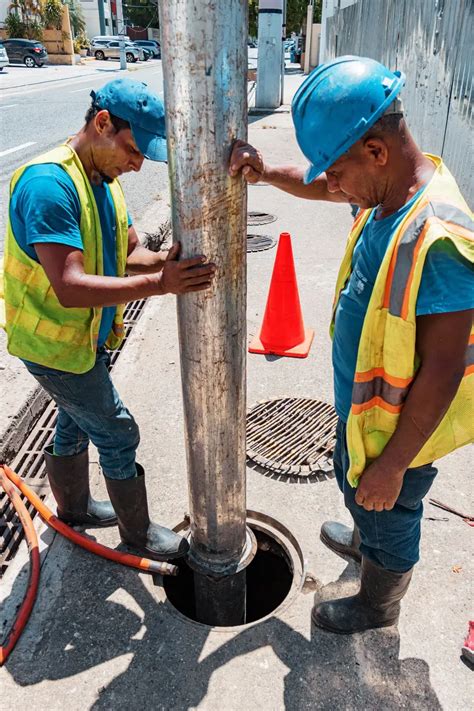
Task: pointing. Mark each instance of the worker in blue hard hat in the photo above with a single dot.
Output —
(72, 260)
(401, 323)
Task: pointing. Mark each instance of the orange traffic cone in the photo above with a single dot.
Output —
(283, 332)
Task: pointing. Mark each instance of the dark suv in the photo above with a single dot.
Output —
(28, 52)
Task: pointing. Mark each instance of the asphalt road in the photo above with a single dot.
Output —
(37, 118)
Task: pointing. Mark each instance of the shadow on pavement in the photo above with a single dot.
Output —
(105, 612)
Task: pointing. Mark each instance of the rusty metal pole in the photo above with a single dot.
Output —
(204, 49)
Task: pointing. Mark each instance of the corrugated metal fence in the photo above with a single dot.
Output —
(431, 41)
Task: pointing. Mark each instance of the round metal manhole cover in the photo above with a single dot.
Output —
(258, 243)
(260, 218)
(292, 436)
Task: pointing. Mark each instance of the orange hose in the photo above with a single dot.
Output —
(9, 477)
(26, 606)
(134, 561)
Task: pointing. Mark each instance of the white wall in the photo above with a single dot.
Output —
(91, 15)
(3, 10)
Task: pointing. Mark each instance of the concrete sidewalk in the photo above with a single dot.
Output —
(105, 637)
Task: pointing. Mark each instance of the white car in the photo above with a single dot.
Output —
(4, 61)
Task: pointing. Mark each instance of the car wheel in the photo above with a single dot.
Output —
(129, 57)
(29, 62)
(99, 55)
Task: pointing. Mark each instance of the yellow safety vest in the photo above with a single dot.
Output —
(38, 327)
(387, 360)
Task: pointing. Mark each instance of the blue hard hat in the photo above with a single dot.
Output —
(337, 104)
(134, 102)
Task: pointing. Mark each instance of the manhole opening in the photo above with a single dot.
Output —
(269, 581)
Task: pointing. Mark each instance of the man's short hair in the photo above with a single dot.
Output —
(118, 123)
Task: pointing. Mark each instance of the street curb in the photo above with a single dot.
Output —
(283, 109)
(26, 417)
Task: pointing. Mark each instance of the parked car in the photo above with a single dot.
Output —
(28, 52)
(111, 50)
(152, 45)
(107, 38)
(3, 57)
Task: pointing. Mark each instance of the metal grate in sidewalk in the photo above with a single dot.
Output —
(29, 463)
(291, 436)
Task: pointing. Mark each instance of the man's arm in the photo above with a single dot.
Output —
(289, 178)
(441, 343)
(64, 267)
(141, 260)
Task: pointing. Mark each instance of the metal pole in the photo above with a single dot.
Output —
(270, 21)
(121, 32)
(204, 50)
(283, 38)
(100, 5)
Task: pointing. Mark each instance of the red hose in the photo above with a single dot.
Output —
(26, 606)
(7, 477)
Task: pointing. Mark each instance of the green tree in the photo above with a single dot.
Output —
(141, 13)
(24, 19)
(296, 11)
(76, 17)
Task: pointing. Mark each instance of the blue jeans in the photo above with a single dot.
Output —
(390, 539)
(89, 408)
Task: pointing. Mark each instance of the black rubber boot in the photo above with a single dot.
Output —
(69, 480)
(377, 604)
(341, 539)
(137, 532)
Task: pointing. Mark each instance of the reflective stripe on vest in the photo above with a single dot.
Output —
(409, 246)
(387, 361)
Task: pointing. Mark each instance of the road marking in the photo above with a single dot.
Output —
(17, 148)
(8, 106)
(84, 88)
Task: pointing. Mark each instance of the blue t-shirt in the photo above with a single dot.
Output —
(45, 208)
(446, 286)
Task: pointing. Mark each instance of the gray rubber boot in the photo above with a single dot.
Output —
(140, 535)
(69, 480)
(341, 540)
(377, 604)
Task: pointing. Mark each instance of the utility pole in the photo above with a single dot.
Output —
(121, 33)
(269, 65)
(309, 37)
(100, 6)
(204, 50)
(283, 38)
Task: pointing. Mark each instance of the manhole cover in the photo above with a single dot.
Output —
(260, 218)
(258, 243)
(292, 436)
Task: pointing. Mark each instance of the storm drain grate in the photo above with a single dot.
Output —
(29, 463)
(260, 218)
(291, 436)
(258, 243)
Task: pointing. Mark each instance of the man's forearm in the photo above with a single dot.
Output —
(87, 290)
(428, 401)
(143, 261)
(290, 178)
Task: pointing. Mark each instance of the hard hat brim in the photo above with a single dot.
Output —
(358, 132)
